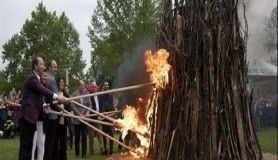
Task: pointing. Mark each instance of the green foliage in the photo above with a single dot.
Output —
(3, 83)
(46, 35)
(116, 27)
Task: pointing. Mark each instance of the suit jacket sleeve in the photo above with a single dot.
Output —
(67, 104)
(74, 109)
(36, 85)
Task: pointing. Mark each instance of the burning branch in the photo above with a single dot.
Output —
(81, 119)
(114, 121)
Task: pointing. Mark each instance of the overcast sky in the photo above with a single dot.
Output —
(13, 14)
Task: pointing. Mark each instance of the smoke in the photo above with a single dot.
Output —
(256, 12)
(132, 72)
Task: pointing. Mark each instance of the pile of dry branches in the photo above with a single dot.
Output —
(204, 113)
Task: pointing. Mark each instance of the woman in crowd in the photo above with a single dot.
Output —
(62, 123)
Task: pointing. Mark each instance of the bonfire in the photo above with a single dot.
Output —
(138, 118)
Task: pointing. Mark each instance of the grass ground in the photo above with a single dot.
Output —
(9, 147)
(9, 150)
(268, 140)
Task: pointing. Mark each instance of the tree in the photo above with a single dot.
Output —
(116, 27)
(271, 33)
(46, 35)
(3, 83)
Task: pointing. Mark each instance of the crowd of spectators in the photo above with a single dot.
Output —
(9, 114)
(265, 110)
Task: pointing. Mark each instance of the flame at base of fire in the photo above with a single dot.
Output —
(131, 122)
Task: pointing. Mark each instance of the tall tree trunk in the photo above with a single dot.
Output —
(204, 113)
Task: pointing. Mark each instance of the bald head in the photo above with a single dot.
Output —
(105, 85)
(38, 65)
(81, 86)
(52, 67)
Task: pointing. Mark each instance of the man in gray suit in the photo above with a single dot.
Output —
(80, 129)
(51, 123)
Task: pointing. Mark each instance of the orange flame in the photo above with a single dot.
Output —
(138, 119)
(158, 67)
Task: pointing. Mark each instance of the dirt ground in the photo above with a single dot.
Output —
(269, 156)
(123, 157)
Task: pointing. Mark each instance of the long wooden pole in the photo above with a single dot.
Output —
(116, 124)
(109, 91)
(105, 113)
(94, 111)
(108, 136)
(67, 77)
(109, 115)
(101, 132)
(110, 119)
(78, 117)
(112, 91)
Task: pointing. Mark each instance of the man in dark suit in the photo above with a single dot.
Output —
(31, 106)
(106, 103)
(92, 88)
